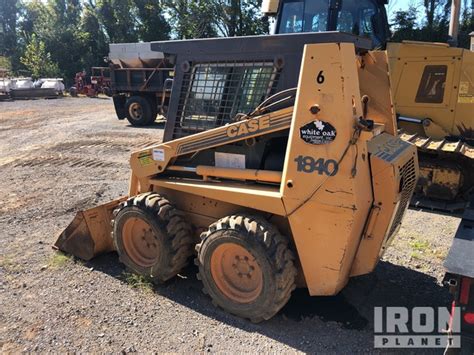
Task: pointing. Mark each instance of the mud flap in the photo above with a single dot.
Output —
(89, 233)
(119, 104)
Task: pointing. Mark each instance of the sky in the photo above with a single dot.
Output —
(395, 5)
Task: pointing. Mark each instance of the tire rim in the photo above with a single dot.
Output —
(236, 273)
(135, 110)
(139, 242)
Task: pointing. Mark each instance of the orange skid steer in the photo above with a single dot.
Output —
(307, 189)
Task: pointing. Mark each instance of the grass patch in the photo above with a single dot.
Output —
(138, 282)
(58, 260)
(415, 255)
(9, 264)
(420, 245)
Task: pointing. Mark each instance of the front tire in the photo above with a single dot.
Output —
(151, 237)
(246, 267)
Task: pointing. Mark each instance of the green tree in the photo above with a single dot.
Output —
(467, 25)
(56, 23)
(118, 20)
(192, 18)
(8, 28)
(93, 38)
(38, 61)
(212, 18)
(405, 26)
(240, 18)
(152, 25)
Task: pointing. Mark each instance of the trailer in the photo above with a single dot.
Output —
(27, 89)
(459, 277)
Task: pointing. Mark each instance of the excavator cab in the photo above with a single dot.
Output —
(367, 18)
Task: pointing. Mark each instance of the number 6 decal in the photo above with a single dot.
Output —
(321, 77)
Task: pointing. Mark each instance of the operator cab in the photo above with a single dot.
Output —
(367, 18)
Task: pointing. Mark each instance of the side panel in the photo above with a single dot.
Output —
(374, 69)
(327, 206)
(425, 79)
(464, 119)
(394, 167)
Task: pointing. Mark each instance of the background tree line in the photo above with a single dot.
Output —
(428, 20)
(62, 37)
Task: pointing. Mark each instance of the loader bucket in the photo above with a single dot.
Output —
(89, 233)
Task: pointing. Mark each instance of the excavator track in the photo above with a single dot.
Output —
(446, 173)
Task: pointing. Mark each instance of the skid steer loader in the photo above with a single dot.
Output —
(273, 188)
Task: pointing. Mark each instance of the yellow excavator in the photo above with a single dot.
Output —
(432, 87)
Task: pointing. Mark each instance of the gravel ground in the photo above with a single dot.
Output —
(60, 156)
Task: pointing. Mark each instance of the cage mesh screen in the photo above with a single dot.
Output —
(212, 94)
(407, 186)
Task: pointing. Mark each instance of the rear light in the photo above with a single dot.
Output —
(469, 318)
(465, 288)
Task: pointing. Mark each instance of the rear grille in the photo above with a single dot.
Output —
(213, 93)
(407, 187)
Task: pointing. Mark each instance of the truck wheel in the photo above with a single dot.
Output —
(73, 92)
(151, 237)
(107, 91)
(139, 111)
(246, 267)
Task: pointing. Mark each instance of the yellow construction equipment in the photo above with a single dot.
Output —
(433, 88)
(306, 189)
(432, 85)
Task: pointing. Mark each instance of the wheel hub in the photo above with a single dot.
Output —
(140, 242)
(236, 273)
(136, 111)
(243, 267)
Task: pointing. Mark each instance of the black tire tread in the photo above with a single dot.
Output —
(276, 246)
(148, 111)
(180, 241)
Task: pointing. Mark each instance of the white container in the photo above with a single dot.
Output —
(56, 84)
(134, 55)
(5, 85)
(23, 83)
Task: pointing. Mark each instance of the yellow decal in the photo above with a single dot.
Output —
(463, 88)
(466, 95)
(251, 126)
(466, 99)
(145, 159)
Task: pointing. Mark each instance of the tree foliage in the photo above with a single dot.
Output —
(38, 60)
(8, 23)
(73, 35)
(429, 22)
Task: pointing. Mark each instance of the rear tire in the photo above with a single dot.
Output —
(140, 111)
(151, 237)
(73, 92)
(246, 267)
